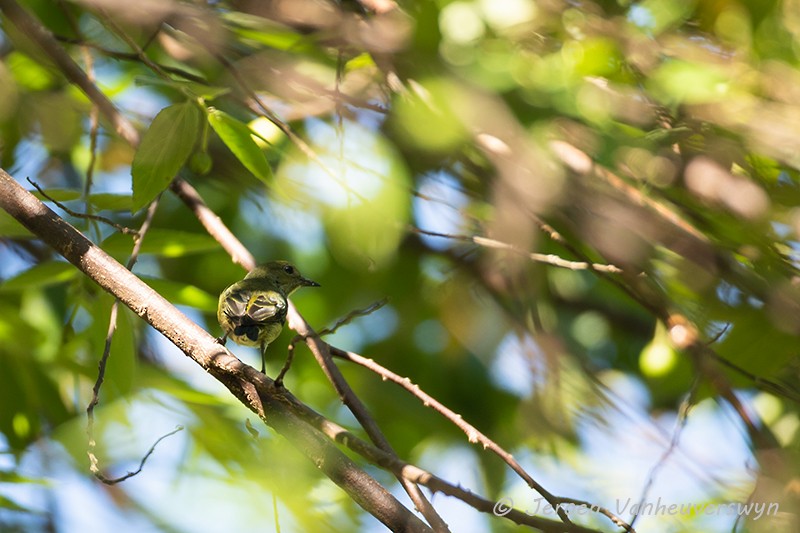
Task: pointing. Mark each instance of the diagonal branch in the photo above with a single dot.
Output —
(253, 389)
(47, 42)
(473, 434)
(188, 194)
(434, 483)
(322, 353)
(548, 259)
(52, 48)
(308, 431)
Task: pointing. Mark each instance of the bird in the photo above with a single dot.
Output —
(252, 311)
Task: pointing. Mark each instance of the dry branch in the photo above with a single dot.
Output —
(252, 388)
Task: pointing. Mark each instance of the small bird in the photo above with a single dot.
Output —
(252, 311)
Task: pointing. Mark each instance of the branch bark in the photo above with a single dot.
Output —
(252, 388)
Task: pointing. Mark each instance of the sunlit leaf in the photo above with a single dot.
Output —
(11, 505)
(430, 118)
(693, 83)
(100, 201)
(183, 294)
(265, 31)
(266, 132)
(9, 227)
(27, 72)
(239, 139)
(360, 61)
(29, 397)
(111, 201)
(163, 242)
(41, 275)
(165, 147)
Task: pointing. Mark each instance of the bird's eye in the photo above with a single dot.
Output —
(289, 269)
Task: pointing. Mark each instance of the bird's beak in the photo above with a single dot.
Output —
(308, 283)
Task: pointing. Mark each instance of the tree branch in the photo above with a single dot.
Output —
(473, 434)
(42, 37)
(434, 483)
(252, 388)
(322, 352)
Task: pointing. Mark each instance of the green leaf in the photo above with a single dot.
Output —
(363, 60)
(267, 32)
(163, 242)
(8, 476)
(183, 294)
(110, 201)
(11, 505)
(238, 137)
(280, 40)
(41, 275)
(101, 201)
(9, 227)
(165, 147)
(59, 195)
(28, 73)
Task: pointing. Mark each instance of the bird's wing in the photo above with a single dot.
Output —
(267, 307)
(255, 307)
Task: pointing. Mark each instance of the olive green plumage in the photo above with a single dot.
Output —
(252, 311)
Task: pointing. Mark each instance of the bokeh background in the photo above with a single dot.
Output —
(464, 160)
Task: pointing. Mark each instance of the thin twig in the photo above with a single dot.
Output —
(288, 363)
(326, 331)
(41, 36)
(120, 123)
(474, 436)
(322, 353)
(252, 388)
(764, 384)
(549, 259)
(680, 424)
(703, 355)
(101, 366)
(353, 315)
(131, 56)
(124, 128)
(94, 127)
(582, 164)
(114, 481)
(122, 229)
(262, 108)
(359, 410)
(138, 50)
(436, 484)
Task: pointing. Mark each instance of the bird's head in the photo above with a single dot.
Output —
(282, 275)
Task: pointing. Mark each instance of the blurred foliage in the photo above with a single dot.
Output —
(439, 116)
